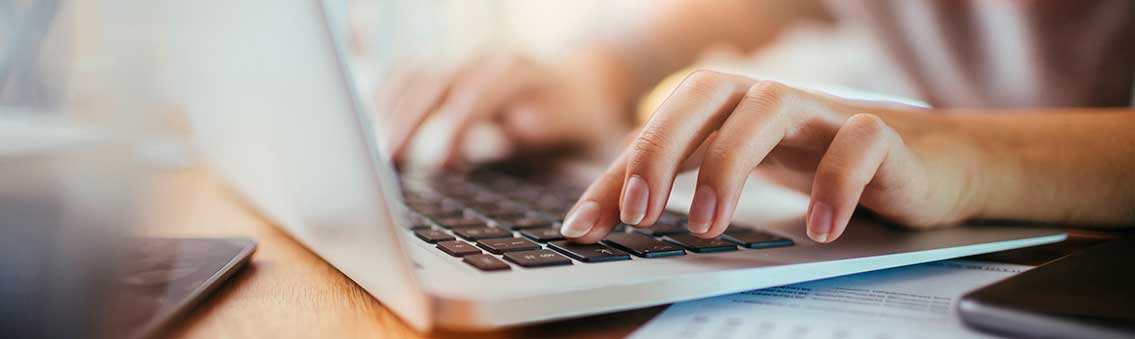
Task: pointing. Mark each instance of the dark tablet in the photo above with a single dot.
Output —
(1090, 294)
(161, 279)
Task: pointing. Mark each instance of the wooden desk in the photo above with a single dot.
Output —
(288, 292)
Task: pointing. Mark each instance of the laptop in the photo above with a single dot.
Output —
(270, 97)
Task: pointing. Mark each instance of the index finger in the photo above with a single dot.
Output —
(646, 169)
(592, 216)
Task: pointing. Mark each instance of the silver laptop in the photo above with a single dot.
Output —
(272, 104)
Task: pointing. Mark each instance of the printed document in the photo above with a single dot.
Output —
(915, 301)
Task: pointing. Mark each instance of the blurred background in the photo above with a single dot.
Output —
(94, 96)
(93, 102)
(111, 64)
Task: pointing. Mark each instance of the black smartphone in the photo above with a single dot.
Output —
(1090, 294)
(161, 279)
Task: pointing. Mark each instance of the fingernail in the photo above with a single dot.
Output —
(580, 221)
(702, 209)
(820, 222)
(635, 196)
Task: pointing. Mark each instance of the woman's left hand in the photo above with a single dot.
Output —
(905, 165)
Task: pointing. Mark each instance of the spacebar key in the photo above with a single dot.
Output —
(643, 246)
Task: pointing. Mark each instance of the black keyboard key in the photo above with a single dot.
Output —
(460, 222)
(525, 222)
(568, 193)
(486, 262)
(672, 218)
(458, 248)
(542, 234)
(562, 210)
(589, 252)
(699, 245)
(478, 233)
(549, 201)
(433, 236)
(499, 211)
(412, 199)
(658, 230)
(453, 186)
(749, 238)
(502, 245)
(553, 205)
(642, 245)
(463, 193)
(419, 223)
(619, 228)
(525, 193)
(499, 183)
(485, 200)
(419, 204)
(537, 258)
(440, 210)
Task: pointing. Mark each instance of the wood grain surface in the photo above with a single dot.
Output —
(289, 292)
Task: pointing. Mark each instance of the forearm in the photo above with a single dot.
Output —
(1073, 167)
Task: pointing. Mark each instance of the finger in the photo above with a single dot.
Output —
(422, 95)
(865, 151)
(596, 213)
(480, 95)
(393, 86)
(757, 125)
(694, 160)
(682, 123)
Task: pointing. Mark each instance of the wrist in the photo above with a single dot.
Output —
(987, 171)
(954, 163)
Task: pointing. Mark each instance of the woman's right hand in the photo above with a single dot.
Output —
(908, 166)
(526, 104)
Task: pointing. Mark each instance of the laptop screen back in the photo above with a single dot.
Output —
(272, 106)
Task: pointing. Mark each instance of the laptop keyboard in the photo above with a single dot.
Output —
(490, 219)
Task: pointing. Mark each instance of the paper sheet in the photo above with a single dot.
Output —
(907, 302)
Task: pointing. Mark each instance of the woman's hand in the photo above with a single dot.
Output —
(910, 167)
(533, 105)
